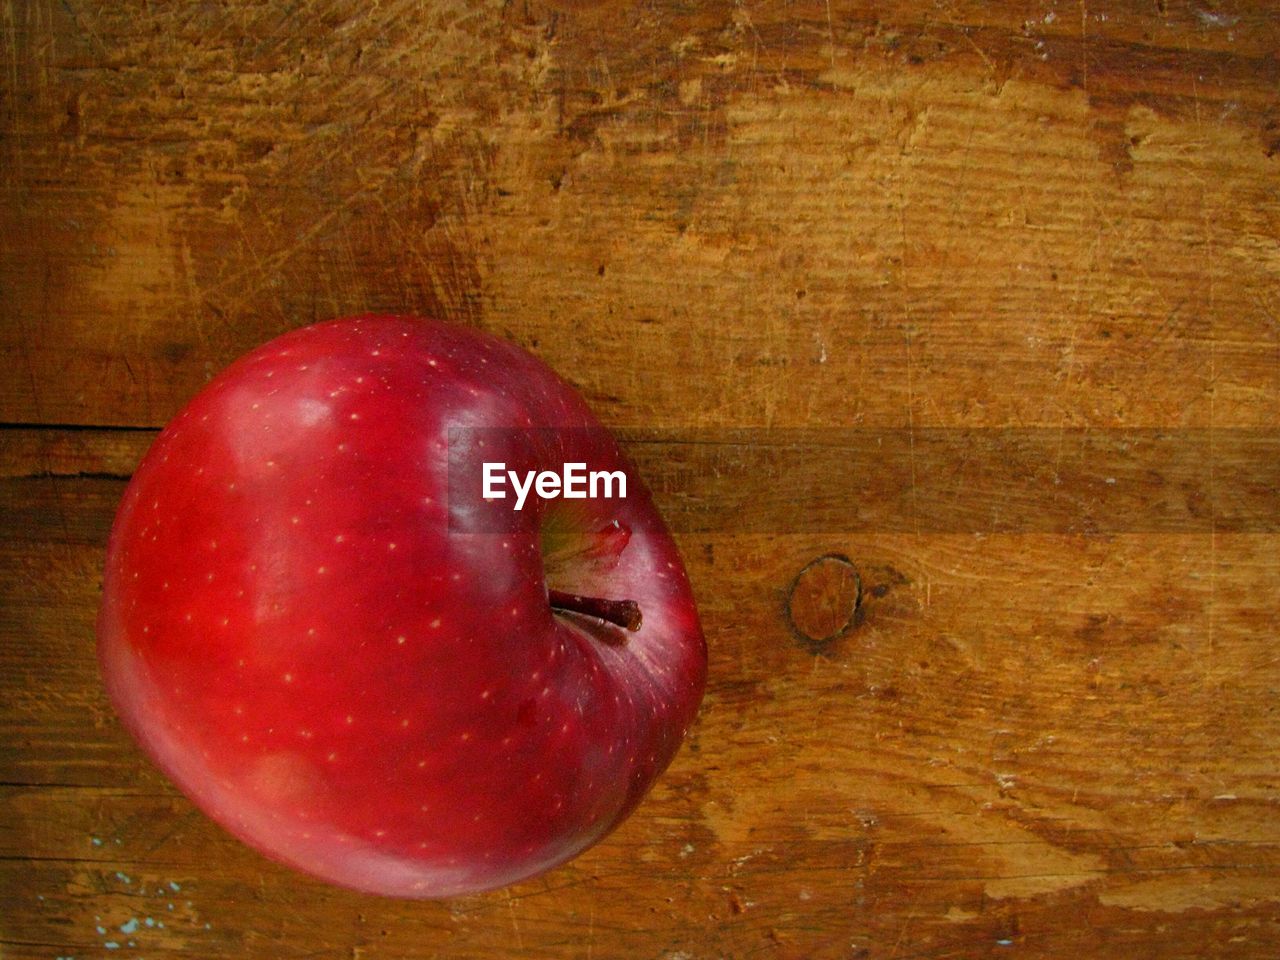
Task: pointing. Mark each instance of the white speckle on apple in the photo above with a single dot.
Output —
(435, 624)
(288, 678)
(400, 640)
(312, 411)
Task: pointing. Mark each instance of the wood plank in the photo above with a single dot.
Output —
(822, 214)
(794, 480)
(1020, 730)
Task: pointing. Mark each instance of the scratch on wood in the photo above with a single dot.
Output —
(515, 922)
(910, 364)
(831, 33)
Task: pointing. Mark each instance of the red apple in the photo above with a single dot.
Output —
(318, 628)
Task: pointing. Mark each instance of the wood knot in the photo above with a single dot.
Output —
(824, 601)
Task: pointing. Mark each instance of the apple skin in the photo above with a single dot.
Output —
(361, 678)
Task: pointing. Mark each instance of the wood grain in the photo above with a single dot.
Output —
(1050, 729)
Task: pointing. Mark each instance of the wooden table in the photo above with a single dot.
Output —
(1051, 727)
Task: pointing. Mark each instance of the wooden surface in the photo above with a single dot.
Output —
(1031, 738)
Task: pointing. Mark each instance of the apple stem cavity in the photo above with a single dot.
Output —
(621, 613)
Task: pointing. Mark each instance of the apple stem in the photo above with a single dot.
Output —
(621, 613)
